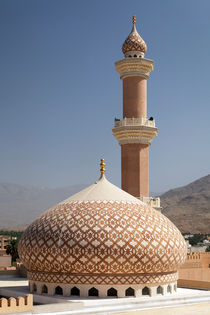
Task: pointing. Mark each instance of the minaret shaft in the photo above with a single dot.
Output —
(134, 97)
(135, 169)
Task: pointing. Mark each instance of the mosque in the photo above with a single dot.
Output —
(105, 241)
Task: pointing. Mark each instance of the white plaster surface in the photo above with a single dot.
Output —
(102, 190)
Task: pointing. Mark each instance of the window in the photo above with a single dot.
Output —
(145, 291)
(130, 292)
(93, 292)
(44, 289)
(58, 290)
(159, 290)
(34, 288)
(75, 291)
(112, 292)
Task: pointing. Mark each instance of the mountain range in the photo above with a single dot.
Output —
(20, 205)
(188, 207)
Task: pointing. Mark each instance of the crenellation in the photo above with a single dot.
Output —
(16, 305)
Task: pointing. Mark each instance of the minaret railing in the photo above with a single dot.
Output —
(135, 122)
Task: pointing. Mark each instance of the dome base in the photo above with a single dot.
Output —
(103, 285)
(102, 291)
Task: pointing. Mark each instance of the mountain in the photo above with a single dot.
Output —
(20, 205)
(188, 207)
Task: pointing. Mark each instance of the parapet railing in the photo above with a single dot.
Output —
(152, 201)
(16, 305)
(193, 256)
(134, 122)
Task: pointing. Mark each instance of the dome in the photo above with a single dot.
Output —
(134, 45)
(102, 235)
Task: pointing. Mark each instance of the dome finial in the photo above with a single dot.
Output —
(102, 165)
(134, 19)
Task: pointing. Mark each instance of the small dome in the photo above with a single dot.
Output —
(134, 43)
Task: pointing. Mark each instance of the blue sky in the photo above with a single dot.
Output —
(59, 91)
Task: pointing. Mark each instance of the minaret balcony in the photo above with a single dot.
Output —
(134, 130)
(135, 122)
(153, 202)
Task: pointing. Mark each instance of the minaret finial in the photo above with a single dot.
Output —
(134, 19)
(102, 165)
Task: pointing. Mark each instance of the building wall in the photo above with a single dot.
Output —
(195, 272)
(197, 260)
(5, 261)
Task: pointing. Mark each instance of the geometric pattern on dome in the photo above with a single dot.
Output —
(105, 279)
(102, 237)
(134, 42)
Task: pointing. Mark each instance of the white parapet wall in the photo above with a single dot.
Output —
(153, 202)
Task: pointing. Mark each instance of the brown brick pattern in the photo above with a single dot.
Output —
(104, 279)
(102, 237)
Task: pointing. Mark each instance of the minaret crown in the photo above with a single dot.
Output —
(134, 45)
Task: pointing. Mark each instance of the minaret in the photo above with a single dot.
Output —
(135, 131)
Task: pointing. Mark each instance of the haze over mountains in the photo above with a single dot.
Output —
(188, 206)
(20, 205)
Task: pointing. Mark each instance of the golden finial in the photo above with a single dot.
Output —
(134, 19)
(102, 165)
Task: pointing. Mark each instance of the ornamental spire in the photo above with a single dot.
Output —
(102, 165)
(134, 19)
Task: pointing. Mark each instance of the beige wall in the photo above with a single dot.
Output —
(5, 261)
(197, 260)
(195, 272)
(17, 305)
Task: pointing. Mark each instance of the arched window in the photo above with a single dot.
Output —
(34, 287)
(112, 292)
(58, 290)
(130, 292)
(44, 289)
(93, 292)
(159, 290)
(75, 291)
(135, 55)
(145, 291)
(169, 289)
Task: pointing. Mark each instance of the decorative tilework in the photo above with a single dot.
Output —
(104, 279)
(102, 237)
(134, 42)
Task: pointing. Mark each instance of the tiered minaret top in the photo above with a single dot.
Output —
(134, 44)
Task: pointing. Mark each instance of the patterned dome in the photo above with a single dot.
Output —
(101, 230)
(134, 42)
